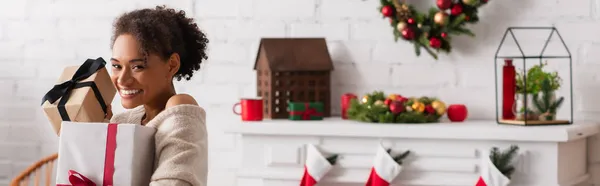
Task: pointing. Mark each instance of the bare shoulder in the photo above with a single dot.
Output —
(181, 99)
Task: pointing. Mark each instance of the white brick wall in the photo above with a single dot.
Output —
(41, 36)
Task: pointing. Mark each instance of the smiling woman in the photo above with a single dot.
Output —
(150, 49)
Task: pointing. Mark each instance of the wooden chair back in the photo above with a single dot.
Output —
(34, 173)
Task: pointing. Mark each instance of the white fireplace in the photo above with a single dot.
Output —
(272, 152)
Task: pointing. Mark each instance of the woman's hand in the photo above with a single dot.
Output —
(109, 113)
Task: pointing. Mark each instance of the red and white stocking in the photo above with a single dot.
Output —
(315, 167)
(384, 169)
(490, 175)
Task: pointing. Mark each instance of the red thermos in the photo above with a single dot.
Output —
(346, 98)
(509, 89)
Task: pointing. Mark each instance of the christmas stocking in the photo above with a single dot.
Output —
(496, 174)
(385, 167)
(316, 166)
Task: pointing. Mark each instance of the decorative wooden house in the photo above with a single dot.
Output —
(293, 69)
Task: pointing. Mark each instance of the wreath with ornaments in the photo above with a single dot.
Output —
(432, 30)
(377, 107)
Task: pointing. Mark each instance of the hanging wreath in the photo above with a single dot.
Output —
(431, 30)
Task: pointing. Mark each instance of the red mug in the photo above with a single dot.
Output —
(252, 109)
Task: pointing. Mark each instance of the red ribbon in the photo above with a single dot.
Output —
(307, 113)
(77, 179)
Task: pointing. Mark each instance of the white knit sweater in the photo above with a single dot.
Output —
(181, 144)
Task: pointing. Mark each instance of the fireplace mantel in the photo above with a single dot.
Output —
(272, 151)
(470, 130)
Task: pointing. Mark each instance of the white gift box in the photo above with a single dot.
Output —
(105, 154)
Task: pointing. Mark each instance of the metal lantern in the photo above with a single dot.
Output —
(527, 91)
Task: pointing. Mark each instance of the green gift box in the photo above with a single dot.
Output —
(306, 110)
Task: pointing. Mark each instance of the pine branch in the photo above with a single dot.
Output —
(423, 42)
(503, 160)
(494, 155)
(458, 20)
(417, 48)
(332, 159)
(465, 31)
(537, 103)
(556, 104)
(400, 158)
(430, 52)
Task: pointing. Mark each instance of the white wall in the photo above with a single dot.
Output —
(42, 36)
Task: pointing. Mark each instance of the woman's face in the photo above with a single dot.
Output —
(138, 81)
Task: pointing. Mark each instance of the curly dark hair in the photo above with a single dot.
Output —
(165, 31)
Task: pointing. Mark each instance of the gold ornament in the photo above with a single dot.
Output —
(470, 2)
(393, 97)
(379, 102)
(402, 11)
(364, 99)
(419, 25)
(441, 18)
(418, 106)
(401, 26)
(439, 106)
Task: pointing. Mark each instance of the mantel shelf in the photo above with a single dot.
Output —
(468, 130)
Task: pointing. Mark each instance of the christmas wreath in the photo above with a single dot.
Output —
(379, 108)
(431, 30)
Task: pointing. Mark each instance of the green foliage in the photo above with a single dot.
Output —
(502, 160)
(371, 112)
(425, 27)
(332, 159)
(399, 158)
(531, 83)
(545, 104)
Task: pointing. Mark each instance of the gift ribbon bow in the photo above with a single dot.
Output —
(308, 112)
(77, 179)
(63, 90)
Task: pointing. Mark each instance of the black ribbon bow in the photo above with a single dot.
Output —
(62, 91)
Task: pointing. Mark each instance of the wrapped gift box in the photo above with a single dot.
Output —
(306, 110)
(105, 154)
(81, 95)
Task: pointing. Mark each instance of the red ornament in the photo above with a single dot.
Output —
(429, 109)
(444, 35)
(410, 21)
(402, 99)
(456, 10)
(435, 42)
(387, 11)
(396, 107)
(443, 4)
(408, 33)
(387, 102)
(467, 18)
(457, 112)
